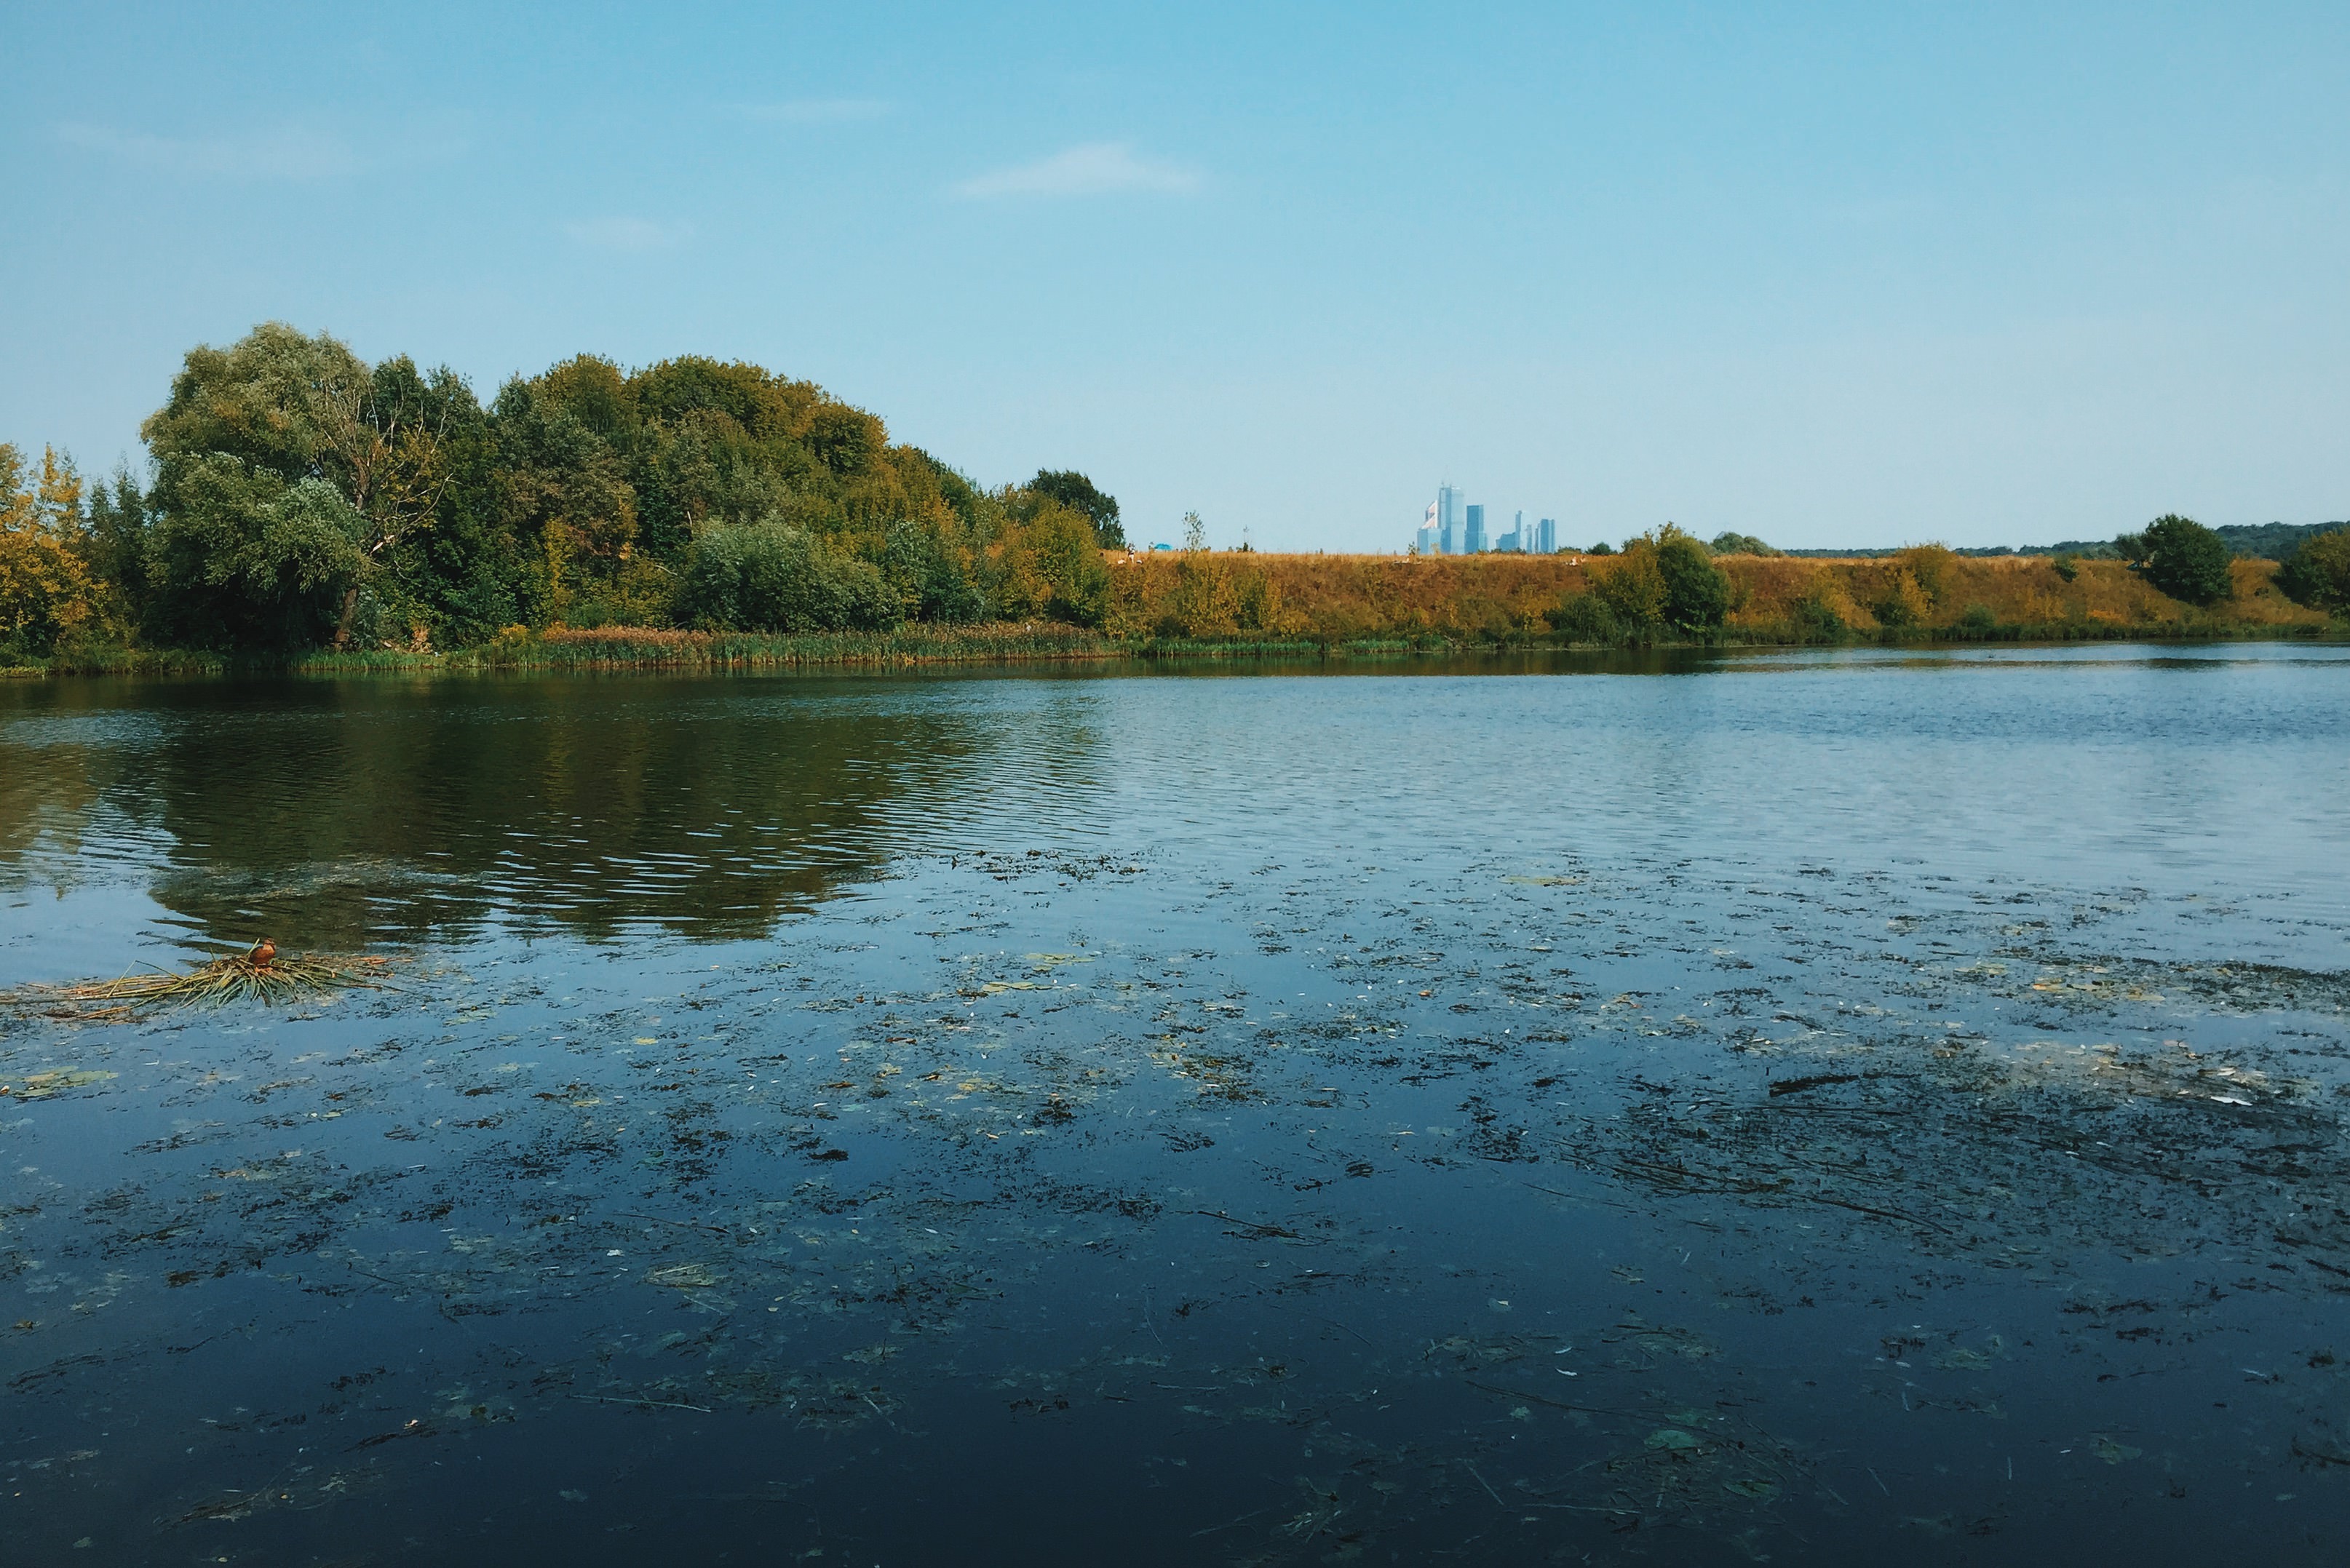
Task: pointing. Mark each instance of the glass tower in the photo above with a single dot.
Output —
(1448, 520)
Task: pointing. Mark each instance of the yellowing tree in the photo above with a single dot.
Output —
(45, 590)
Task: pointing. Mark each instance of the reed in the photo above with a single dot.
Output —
(260, 974)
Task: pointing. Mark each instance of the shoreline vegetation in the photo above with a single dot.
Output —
(1384, 606)
(303, 509)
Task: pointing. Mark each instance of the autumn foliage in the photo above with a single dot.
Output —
(300, 499)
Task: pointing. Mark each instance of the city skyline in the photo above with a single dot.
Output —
(1454, 525)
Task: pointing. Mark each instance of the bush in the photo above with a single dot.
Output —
(1071, 581)
(1734, 543)
(2186, 560)
(2067, 566)
(1979, 621)
(1585, 617)
(2317, 573)
(1904, 603)
(770, 577)
(1632, 586)
(1816, 618)
(929, 577)
(1697, 594)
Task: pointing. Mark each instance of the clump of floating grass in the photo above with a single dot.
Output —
(260, 974)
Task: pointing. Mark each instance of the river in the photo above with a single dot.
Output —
(1810, 1106)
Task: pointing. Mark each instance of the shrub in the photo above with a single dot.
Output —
(2067, 566)
(1585, 617)
(770, 577)
(1733, 543)
(1065, 556)
(1978, 621)
(2186, 560)
(1697, 594)
(1814, 616)
(2317, 573)
(928, 576)
(1632, 586)
(1904, 603)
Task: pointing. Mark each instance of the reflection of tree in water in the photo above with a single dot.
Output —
(336, 813)
(46, 794)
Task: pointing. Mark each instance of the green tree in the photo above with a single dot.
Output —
(2186, 560)
(926, 575)
(247, 560)
(1696, 593)
(115, 543)
(1585, 617)
(1632, 587)
(2317, 573)
(771, 576)
(1079, 494)
(280, 477)
(1065, 555)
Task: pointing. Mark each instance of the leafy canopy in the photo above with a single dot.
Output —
(303, 496)
(1078, 494)
(2186, 560)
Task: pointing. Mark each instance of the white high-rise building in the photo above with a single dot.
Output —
(1429, 535)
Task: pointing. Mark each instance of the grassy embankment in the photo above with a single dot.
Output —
(1926, 595)
(1209, 605)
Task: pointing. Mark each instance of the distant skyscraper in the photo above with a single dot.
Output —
(1429, 534)
(1546, 536)
(1519, 540)
(1475, 543)
(1448, 520)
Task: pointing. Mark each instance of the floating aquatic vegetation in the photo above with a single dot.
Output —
(41, 1085)
(258, 974)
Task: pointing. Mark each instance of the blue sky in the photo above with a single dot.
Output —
(1830, 275)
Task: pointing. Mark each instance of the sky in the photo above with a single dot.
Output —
(1828, 275)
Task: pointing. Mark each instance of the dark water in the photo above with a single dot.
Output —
(1823, 1109)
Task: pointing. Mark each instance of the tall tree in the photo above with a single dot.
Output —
(2186, 560)
(1079, 494)
(45, 592)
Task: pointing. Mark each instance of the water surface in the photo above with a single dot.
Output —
(1815, 1107)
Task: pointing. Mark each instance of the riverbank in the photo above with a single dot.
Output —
(1247, 606)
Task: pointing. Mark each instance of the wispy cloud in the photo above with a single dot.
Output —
(618, 233)
(289, 152)
(1096, 169)
(815, 111)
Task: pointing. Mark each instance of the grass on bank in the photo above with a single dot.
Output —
(1232, 605)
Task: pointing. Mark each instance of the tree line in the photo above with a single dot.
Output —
(297, 497)
(1665, 585)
